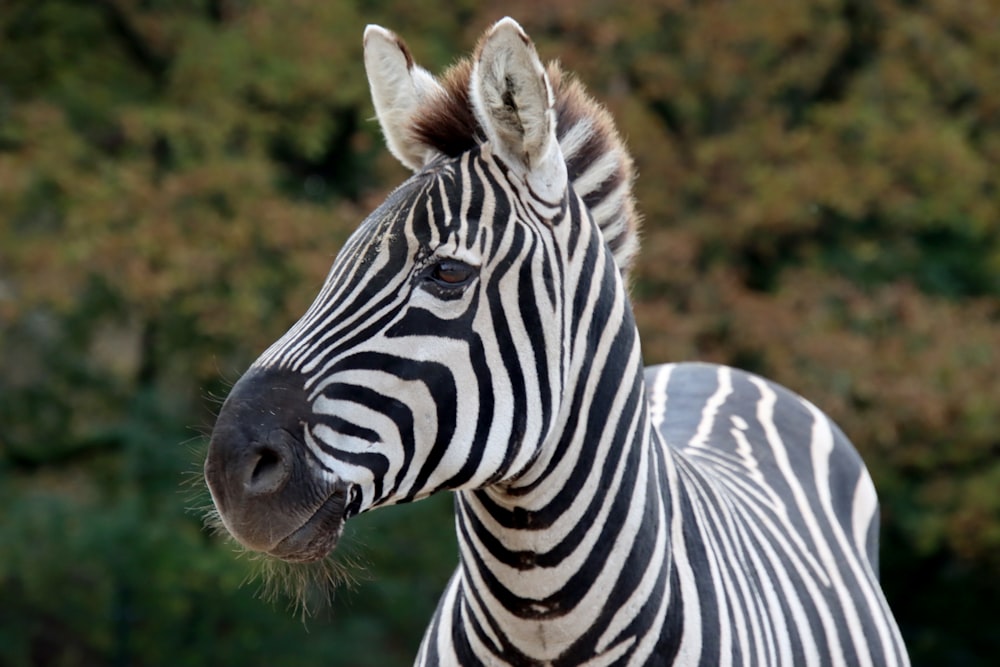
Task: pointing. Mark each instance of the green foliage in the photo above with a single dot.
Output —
(820, 186)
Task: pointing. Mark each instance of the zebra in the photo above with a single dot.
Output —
(475, 335)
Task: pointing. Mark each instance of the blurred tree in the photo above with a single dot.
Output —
(821, 193)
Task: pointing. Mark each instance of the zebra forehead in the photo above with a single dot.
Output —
(597, 161)
(427, 207)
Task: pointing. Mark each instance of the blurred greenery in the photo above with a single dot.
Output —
(821, 191)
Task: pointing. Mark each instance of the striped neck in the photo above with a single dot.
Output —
(542, 556)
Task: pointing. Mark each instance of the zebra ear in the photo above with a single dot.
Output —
(514, 102)
(398, 87)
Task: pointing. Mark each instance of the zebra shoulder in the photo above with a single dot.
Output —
(736, 428)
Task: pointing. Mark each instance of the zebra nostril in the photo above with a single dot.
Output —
(270, 468)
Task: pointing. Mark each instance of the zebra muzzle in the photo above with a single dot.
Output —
(267, 489)
(317, 536)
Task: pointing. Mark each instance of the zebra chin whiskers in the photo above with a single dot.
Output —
(195, 490)
(308, 589)
(200, 504)
(212, 521)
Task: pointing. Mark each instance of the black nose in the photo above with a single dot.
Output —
(257, 468)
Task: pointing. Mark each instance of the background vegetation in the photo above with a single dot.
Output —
(820, 184)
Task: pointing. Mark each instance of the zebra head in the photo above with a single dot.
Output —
(435, 356)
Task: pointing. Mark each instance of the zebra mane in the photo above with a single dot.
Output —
(597, 161)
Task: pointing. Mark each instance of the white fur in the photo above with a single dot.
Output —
(514, 103)
(398, 90)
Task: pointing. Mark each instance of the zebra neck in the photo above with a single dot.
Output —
(545, 558)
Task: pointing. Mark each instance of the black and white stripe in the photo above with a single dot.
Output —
(475, 335)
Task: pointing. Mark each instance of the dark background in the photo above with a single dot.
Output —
(820, 186)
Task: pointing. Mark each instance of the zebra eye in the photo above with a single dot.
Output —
(451, 273)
